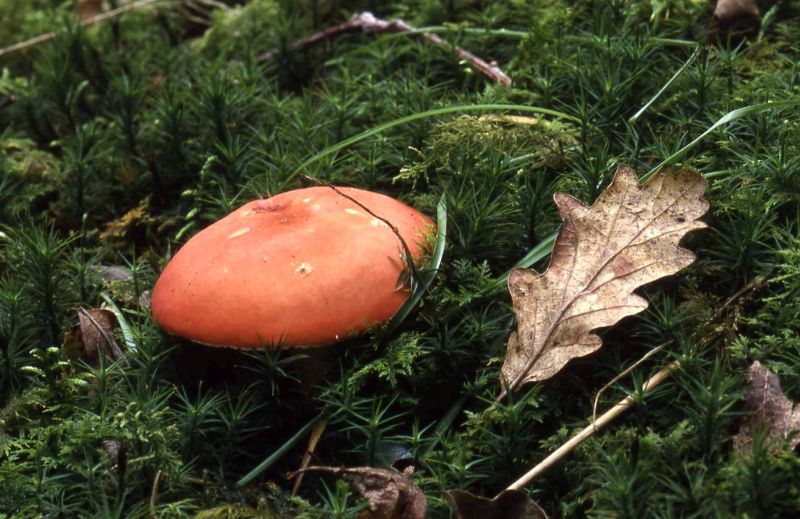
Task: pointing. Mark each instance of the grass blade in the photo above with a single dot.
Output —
(426, 277)
(127, 332)
(279, 452)
(725, 119)
(665, 87)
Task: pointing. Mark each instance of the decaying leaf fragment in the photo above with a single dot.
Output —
(627, 238)
(768, 410)
(93, 337)
(509, 504)
(390, 495)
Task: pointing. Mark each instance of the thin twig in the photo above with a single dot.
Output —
(622, 374)
(393, 227)
(626, 402)
(316, 434)
(367, 23)
(85, 23)
(593, 427)
(753, 285)
(154, 495)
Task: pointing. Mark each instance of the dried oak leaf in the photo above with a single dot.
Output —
(767, 409)
(510, 504)
(627, 238)
(389, 494)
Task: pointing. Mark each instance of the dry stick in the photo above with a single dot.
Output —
(86, 23)
(751, 286)
(154, 495)
(593, 427)
(316, 434)
(367, 23)
(622, 374)
(626, 402)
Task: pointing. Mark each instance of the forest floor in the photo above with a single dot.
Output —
(122, 139)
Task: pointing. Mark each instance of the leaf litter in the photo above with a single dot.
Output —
(768, 410)
(389, 494)
(92, 339)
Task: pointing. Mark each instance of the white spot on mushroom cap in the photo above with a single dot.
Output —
(354, 212)
(307, 200)
(377, 223)
(315, 207)
(304, 269)
(240, 232)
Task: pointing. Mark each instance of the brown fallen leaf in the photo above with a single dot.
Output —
(96, 334)
(627, 238)
(509, 504)
(767, 409)
(390, 495)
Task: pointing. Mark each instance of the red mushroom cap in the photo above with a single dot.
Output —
(303, 268)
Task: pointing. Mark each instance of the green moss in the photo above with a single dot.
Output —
(121, 141)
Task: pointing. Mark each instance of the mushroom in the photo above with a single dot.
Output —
(307, 267)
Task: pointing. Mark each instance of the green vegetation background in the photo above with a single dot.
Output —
(118, 142)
